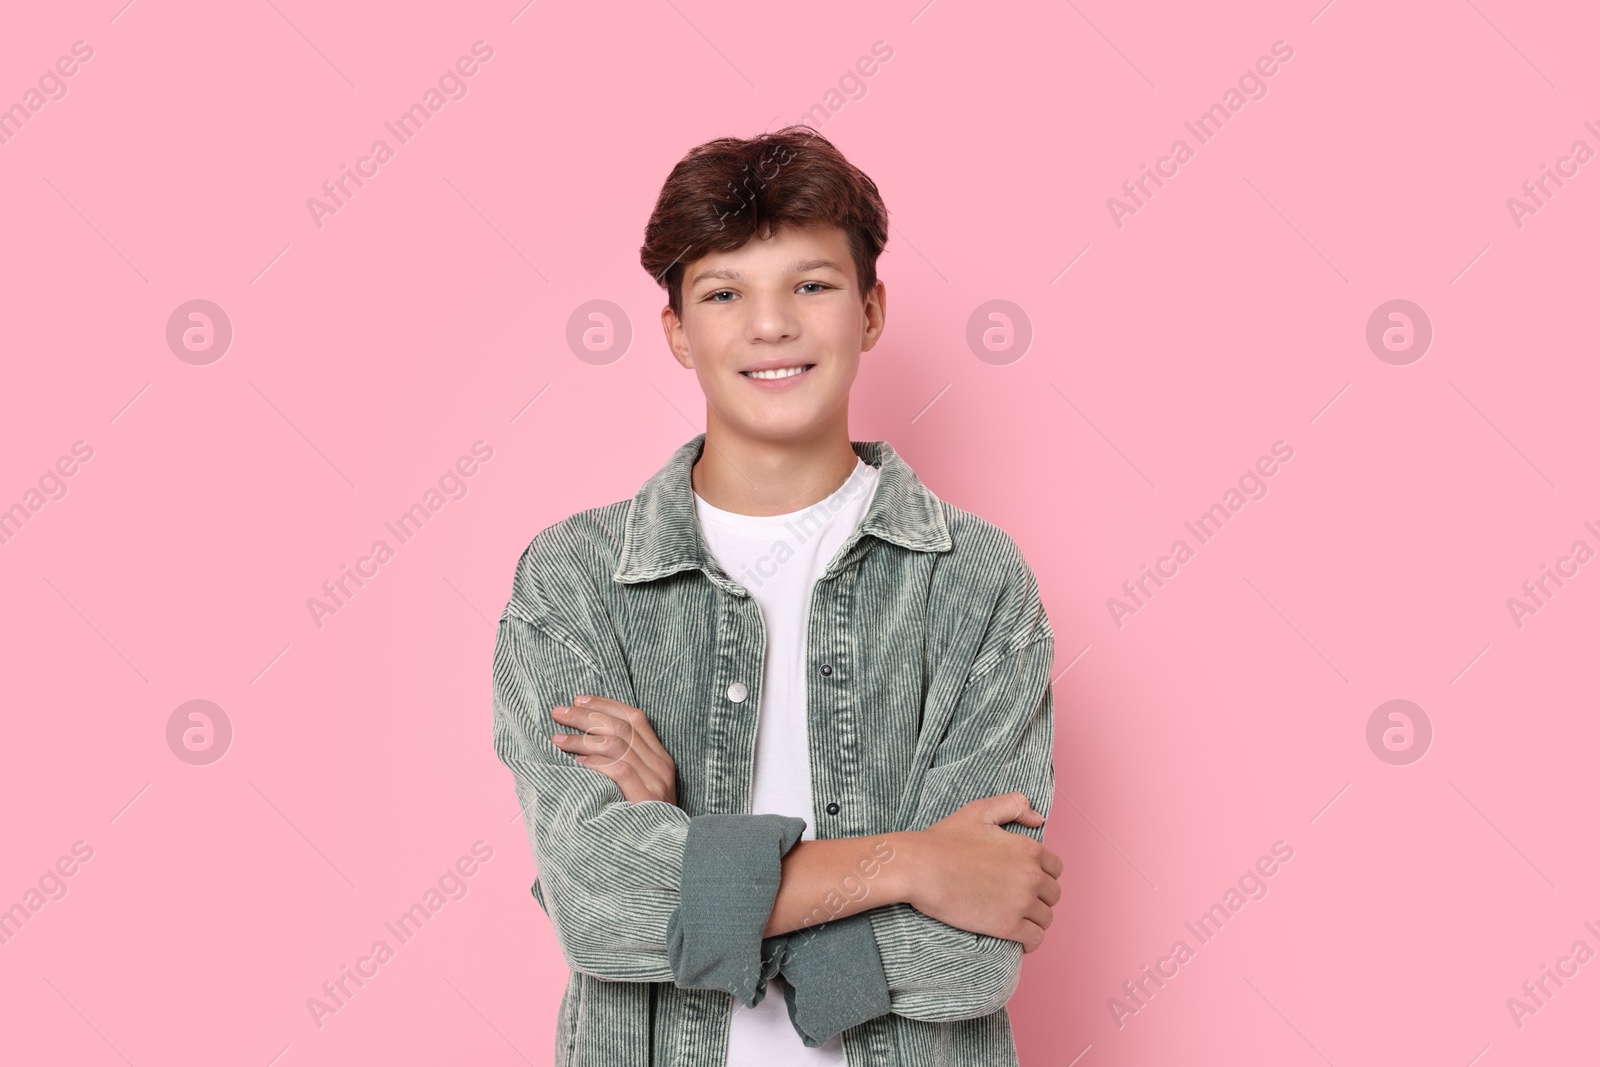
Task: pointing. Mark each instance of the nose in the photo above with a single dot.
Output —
(771, 320)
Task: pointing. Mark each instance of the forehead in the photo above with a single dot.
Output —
(790, 249)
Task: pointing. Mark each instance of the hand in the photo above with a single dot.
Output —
(619, 743)
(985, 879)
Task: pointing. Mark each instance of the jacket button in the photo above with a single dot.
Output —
(737, 692)
(827, 669)
(833, 809)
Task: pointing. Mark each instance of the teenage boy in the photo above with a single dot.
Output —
(771, 719)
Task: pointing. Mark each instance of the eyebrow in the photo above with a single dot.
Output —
(727, 274)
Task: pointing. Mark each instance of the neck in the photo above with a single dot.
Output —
(764, 476)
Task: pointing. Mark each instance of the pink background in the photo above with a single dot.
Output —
(431, 311)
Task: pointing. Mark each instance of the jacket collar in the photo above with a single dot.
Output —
(662, 534)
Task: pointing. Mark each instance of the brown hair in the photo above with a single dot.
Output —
(726, 191)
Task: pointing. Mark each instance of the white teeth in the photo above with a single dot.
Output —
(786, 372)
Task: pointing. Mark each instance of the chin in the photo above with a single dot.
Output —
(780, 425)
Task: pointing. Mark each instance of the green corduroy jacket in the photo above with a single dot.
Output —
(930, 657)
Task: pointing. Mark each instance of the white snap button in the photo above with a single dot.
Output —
(737, 692)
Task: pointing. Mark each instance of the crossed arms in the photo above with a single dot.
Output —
(641, 891)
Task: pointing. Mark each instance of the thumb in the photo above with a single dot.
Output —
(1008, 807)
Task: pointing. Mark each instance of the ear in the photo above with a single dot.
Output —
(873, 314)
(677, 337)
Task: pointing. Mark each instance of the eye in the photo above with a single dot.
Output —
(711, 297)
(822, 285)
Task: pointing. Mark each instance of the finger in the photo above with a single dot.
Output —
(601, 752)
(1031, 935)
(597, 753)
(607, 763)
(1051, 864)
(637, 718)
(1039, 913)
(604, 758)
(1002, 808)
(655, 767)
(571, 744)
(1050, 892)
(615, 709)
(636, 785)
(1025, 813)
(609, 752)
(591, 744)
(588, 717)
(620, 773)
(606, 716)
(595, 726)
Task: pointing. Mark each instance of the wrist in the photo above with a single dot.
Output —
(910, 865)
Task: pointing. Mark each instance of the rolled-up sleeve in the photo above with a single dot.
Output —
(612, 873)
(1000, 739)
(834, 978)
(732, 865)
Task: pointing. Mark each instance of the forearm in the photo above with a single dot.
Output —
(936, 971)
(881, 954)
(820, 928)
(857, 947)
(639, 892)
(840, 877)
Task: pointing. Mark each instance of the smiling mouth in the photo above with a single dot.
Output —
(783, 372)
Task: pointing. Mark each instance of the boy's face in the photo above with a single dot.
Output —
(788, 301)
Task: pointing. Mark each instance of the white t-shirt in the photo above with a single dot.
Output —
(778, 558)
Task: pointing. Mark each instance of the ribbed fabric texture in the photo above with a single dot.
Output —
(937, 693)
